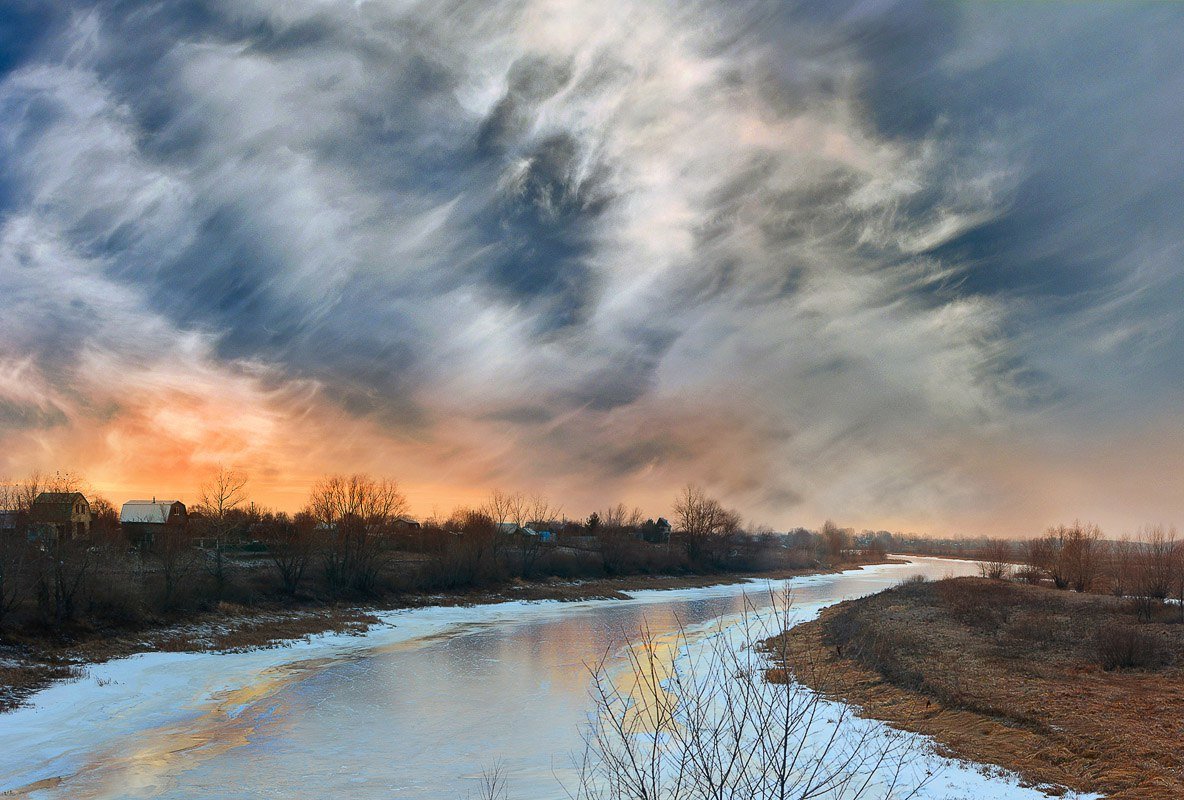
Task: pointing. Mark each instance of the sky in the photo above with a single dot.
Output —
(904, 265)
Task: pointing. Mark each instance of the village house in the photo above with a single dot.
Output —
(143, 520)
(514, 529)
(60, 516)
(655, 532)
(9, 521)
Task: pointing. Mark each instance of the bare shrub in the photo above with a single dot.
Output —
(1029, 575)
(290, 544)
(1039, 555)
(15, 556)
(1158, 563)
(494, 783)
(1071, 555)
(995, 560)
(835, 541)
(711, 726)
(1119, 646)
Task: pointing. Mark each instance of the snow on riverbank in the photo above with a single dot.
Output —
(68, 726)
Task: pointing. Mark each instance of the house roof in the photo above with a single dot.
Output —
(153, 512)
(513, 527)
(56, 506)
(57, 498)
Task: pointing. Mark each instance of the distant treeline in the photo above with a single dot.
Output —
(1148, 569)
(354, 542)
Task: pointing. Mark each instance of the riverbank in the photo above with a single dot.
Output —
(1063, 689)
(29, 664)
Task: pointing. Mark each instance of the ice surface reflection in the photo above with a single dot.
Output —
(406, 712)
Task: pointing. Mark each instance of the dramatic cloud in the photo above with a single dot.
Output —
(905, 265)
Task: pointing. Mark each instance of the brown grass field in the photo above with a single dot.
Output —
(1025, 677)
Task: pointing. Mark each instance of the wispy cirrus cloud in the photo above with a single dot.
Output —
(828, 259)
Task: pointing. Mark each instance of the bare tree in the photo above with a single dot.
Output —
(104, 526)
(537, 514)
(705, 525)
(220, 496)
(1038, 559)
(290, 545)
(1158, 562)
(1084, 554)
(64, 566)
(1123, 567)
(173, 556)
(711, 726)
(14, 552)
(621, 517)
(502, 507)
(470, 553)
(835, 541)
(355, 513)
(1073, 555)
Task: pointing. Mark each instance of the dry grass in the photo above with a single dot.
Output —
(1005, 674)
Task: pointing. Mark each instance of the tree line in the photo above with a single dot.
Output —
(1147, 569)
(353, 542)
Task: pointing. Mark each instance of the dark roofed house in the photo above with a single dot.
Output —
(655, 532)
(61, 515)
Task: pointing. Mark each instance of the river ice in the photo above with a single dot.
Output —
(415, 708)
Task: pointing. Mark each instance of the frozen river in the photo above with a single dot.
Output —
(414, 709)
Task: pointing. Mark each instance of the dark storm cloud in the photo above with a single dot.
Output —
(540, 227)
(1083, 108)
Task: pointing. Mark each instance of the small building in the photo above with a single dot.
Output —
(514, 529)
(407, 524)
(60, 515)
(655, 532)
(9, 522)
(143, 520)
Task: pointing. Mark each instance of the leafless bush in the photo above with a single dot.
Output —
(289, 545)
(1029, 575)
(1071, 555)
(1119, 646)
(494, 784)
(1159, 563)
(914, 580)
(835, 541)
(14, 558)
(711, 726)
(995, 559)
